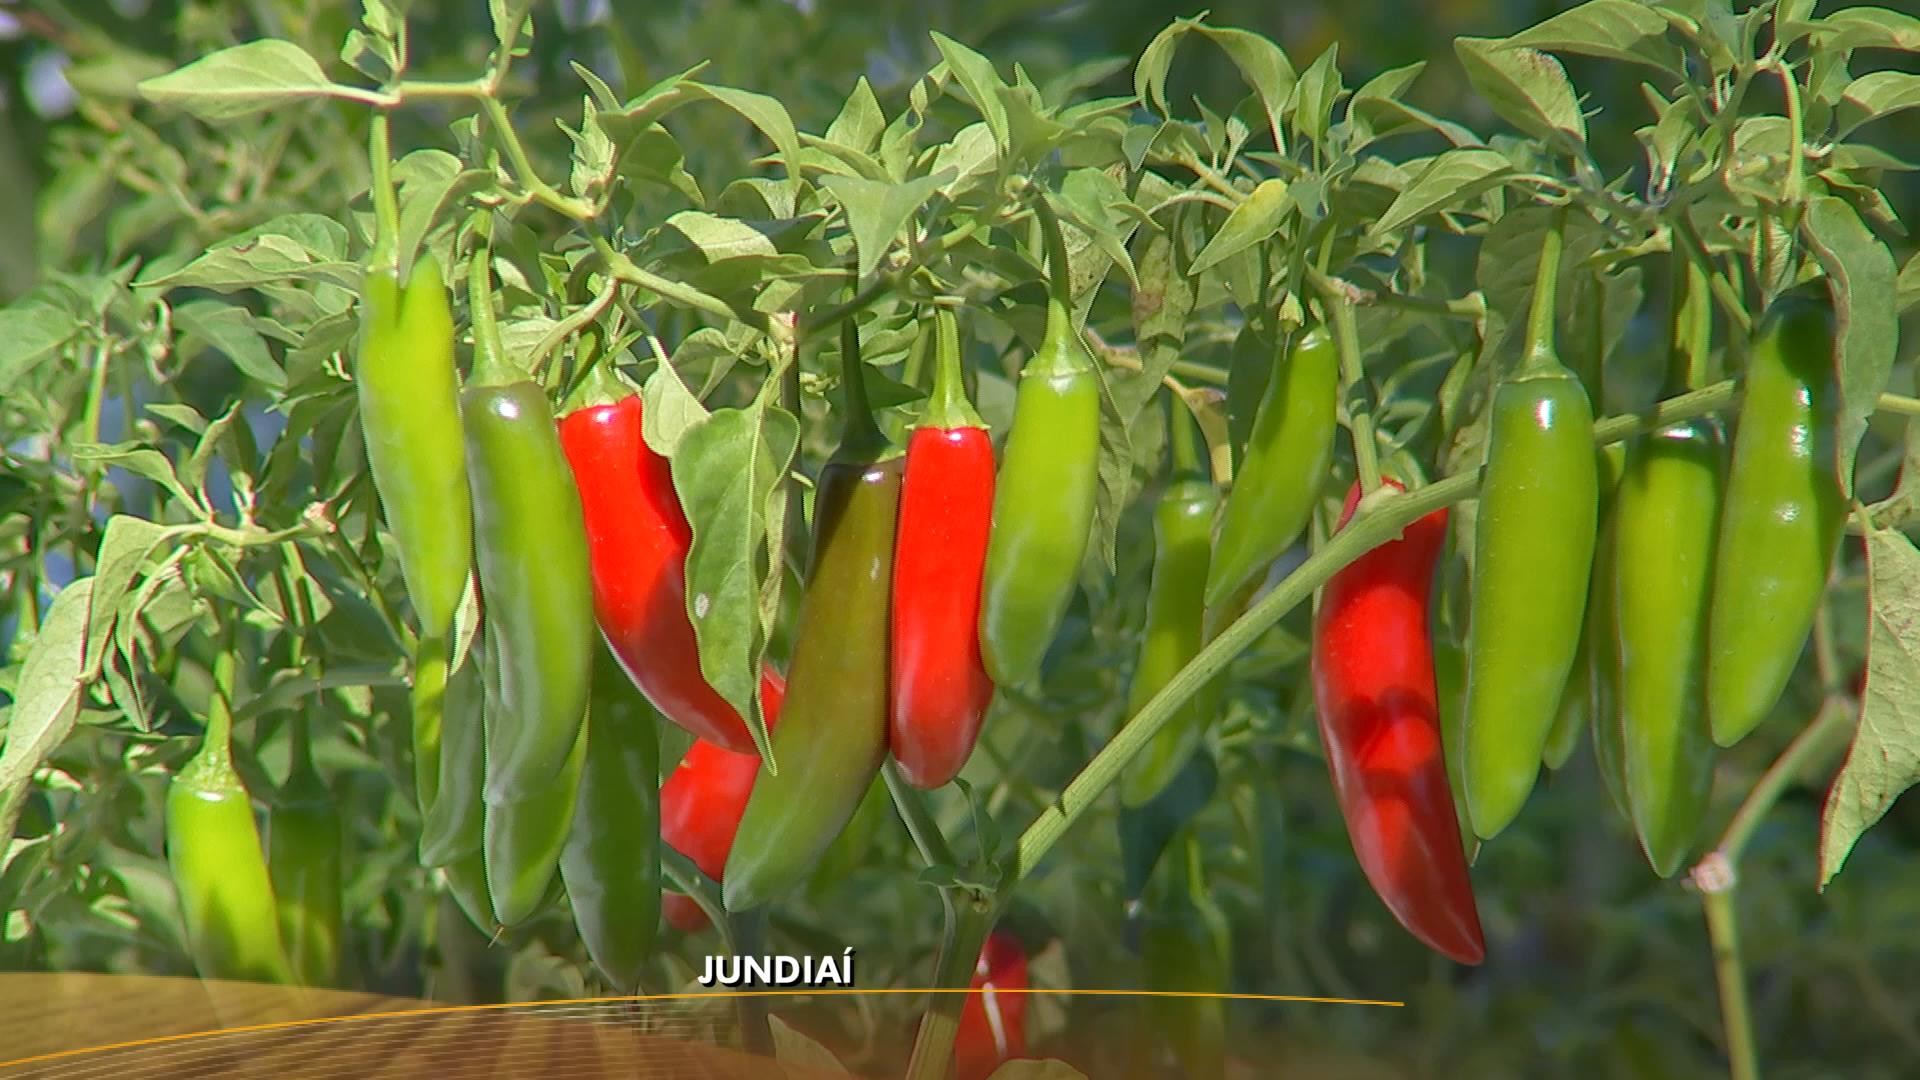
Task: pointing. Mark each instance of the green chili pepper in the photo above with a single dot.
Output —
(1289, 453)
(452, 829)
(303, 858)
(1043, 499)
(1603, 678)
(1450, 695)
(1175, 626)
(522, 838)
(1668, 509)
(410, 416)
(611, 862)
(1662, 564)
(1533, 556)
(214, 854)
(1785, 512)
(1575, 713)
(832, 735)
(408, 390)
(534, 573)
(1185, 948)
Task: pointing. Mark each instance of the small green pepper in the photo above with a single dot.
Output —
(1785, 512)
(1533, 557)
(1043, 499)
(303, 857)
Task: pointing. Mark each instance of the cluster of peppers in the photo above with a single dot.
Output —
(1671, 588)
(1662, 594)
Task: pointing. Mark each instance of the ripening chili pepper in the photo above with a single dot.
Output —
(1533, 556)
(1785, 511)
(940, 690)
(1043, 504)
(303, 860)
(213, 853)
(611, 862)
(1288, 455)
(1378, 706)
(535, 574)
(408, 391)
(1185, 948)
(522, 837)
(993, 1025)
(700, 808)
(833, 731)
(1176, 622)
(1667, 513)
(638, 537)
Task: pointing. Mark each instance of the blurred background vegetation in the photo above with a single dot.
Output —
(1595, 967)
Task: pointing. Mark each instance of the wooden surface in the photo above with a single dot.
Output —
(124, 1026)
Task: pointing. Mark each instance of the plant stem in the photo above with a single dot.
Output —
(1353, 378)
(1735, 1015)
(968, 923)
(1717, 877)
(926, 834)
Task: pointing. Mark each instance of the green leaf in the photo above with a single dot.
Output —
(243, 80)
(46, 701)
(137, 459)
(1876, 95)
(1250, 223)
(1868, 28)
(860, 122)
(1528, 88)
(1865, 295)
(1315, 94)
(790, 1047)
(1621, 30)
(769, 116)
(33, 330)
(1450, 179)
(512, 22)
(983, 85)
(877, 212)
(229, 329)
(668, 409)
(725, 468)
(1884, 759)
(431, 182)
(1089, 199)
(1262, 66)
(1908, 284)
(125, 546)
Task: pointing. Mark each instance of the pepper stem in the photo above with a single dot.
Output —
(386, 207)
(948, 407)
(860, 439)
(490, 366)
(1061, 346)
(216, 749)
(1182, 431)
(1540, 351)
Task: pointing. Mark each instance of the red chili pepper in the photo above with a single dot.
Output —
(993, 1027)
(700, 809)
(638, 536)
(1379, 723)
(940, 689)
